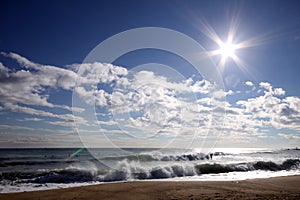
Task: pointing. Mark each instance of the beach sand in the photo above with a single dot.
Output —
(272, 188)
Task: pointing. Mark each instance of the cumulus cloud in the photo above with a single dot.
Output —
(274, 111)
(269, 89)
(3, 70)
(143, 102)
(94, 96)
(265, 85)
(22, 60)
(94, 73)
(28, 86)
(249, 83)
(278, 92)
(229, 92)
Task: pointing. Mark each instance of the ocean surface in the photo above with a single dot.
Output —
(40, 169)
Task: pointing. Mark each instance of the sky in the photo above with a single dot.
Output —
(54, 91)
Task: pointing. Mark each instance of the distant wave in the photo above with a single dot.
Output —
(156, 156)
(9, 163)
(143, 157)
(131, 170)
(260, 165)
(15, 163)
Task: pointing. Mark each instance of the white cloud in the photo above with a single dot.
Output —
(36, 112)
(29, 86)
(265, 85)
(289, 136)
(62, 123)
(31, 119)
(91, 97)
(10, 127)
(3, 70)
(22, 60)
(229, 92)
(148, 102)
(279, 92)
(107, 123)
(142, 102)
(28, 110)
(155, 103)
(94, 73)
(274, 111)
(249, 83)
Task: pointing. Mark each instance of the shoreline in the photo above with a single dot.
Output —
(261, 188)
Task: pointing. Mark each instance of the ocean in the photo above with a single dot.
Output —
(40, 169)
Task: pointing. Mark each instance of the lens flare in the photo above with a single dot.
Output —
(75, 153)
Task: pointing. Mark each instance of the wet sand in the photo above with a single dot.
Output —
(272, 188)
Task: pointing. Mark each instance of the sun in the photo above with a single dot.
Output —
(227, 50)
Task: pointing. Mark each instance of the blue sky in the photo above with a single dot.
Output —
(43, 44)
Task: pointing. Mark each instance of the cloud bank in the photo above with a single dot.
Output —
(131, 106)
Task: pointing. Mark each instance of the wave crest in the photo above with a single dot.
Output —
(132, 170)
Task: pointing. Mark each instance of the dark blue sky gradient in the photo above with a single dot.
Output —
(64, 32)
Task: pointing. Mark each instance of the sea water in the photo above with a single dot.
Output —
(40, 169)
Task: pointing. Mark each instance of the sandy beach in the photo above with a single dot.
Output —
(272, 188)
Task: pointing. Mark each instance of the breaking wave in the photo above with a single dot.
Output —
(157, 156)
(132, 170)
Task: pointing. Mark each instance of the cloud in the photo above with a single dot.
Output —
(145, 102)
(288, 113)
(289, 136)
(62, 123)
(22, 60)
(94, 96)
(42, 113)
(249, 83)
(34, 119)
(140, 103)
(3, 70)
(36, 130)
(14, 139)
(94, 73)
(46, 75)
(157, 102)
(265, 85)
(22, 109)
(15, 127)
(278, 92)
(230, 92)
(29, 86)
(275, 112)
